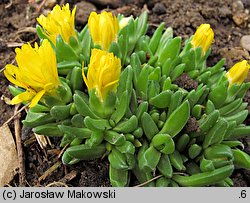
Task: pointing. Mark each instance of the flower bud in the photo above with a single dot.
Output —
(103, 28)
(103, 72)
(238, 73)
(203, 37)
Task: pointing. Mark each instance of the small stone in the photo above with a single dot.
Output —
(237, 6)
(83, 9)
(240, 19)
(159, 9)
(224, 11)
(246, 3)
(245, 42)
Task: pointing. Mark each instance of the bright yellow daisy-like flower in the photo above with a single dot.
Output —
(238, 73)
(203, 37)
(103, 28)
(36, 72)
(58, 21)
(103, 72)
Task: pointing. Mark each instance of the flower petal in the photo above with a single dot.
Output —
(23, 97)
(36, 99)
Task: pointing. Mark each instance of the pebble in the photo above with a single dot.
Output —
(224, 11)
(245, 42)
(159, 9)
(240, 19)
(237, 6)
(240, 14)
(83, 9)
(246, 3)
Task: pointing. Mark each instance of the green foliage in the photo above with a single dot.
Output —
(145, 128)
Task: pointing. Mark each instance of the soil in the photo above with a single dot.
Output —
(229, 19)
(184, 81)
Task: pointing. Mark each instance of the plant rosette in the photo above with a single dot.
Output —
(150, 105)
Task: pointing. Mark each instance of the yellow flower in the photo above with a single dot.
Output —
(238, 73)
(58, 21)
(36, 72)
(203, 37)
(103, 72)
(103, 28)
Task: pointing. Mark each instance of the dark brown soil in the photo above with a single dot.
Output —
(192, 125)
(228, 19)
(91, 173)
(186, 82)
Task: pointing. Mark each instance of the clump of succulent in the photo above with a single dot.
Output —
(147, 103)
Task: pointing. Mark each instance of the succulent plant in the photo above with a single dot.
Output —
(149, 104)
